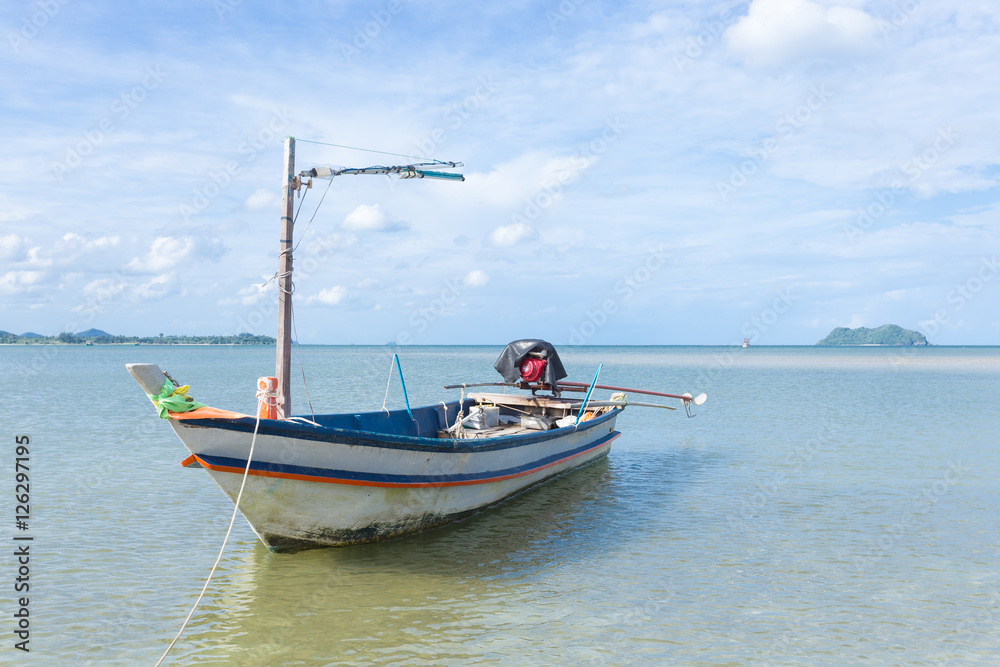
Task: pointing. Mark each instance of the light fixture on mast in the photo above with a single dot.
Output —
(404, 171)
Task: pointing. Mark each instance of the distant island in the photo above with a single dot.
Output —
(887, 334)
(98, 337)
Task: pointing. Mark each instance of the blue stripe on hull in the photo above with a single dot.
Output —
(382, 479)
(303, 431)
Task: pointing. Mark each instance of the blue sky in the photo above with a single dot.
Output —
(637, 173)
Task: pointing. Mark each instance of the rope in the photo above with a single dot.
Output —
(458, 417)
(236, 507)
(369, 150)
(298, 353)
(278, 275)
(388, 381)
(303, 235)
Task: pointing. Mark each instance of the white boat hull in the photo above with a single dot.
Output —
(311, 486)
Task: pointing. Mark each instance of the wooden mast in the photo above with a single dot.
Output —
(284, 354)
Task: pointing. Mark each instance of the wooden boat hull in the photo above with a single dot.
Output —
(317, 484)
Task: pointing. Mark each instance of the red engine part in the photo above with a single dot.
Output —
(532, 369)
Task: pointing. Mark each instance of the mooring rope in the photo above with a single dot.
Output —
(232, 520)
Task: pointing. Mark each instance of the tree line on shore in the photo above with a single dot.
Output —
(66, 338)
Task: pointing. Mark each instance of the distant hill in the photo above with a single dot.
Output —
(887, 334)
(92, 333)
(30, 334)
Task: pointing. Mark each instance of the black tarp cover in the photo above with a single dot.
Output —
(509, 362)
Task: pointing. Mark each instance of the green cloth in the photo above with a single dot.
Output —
(170, 400)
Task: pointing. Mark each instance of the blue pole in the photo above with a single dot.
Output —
(403, 382)
(587, 398)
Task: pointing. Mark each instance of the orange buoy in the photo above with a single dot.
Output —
(267, 397)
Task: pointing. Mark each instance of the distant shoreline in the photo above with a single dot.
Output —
(139, 345)
(95, 337)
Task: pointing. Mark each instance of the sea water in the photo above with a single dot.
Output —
(826, 506)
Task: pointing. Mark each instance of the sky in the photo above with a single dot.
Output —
(637, 173)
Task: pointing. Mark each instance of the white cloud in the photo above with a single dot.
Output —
(330, 296)
(508, 235)
(366, 218)
(252, 295)
(980, 216)
(779, 31)
(10, 212)
(12, 247)
(98, 295)
(15, 282)
(165, 253)
(159, 287)
(168, 252)
(476, 278)
(260, 200)
(517, 181)
(72, 252)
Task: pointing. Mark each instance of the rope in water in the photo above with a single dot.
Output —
(232, 520)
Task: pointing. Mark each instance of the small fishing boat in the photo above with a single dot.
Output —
(341, 479)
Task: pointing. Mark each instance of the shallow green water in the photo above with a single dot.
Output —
(826, 507)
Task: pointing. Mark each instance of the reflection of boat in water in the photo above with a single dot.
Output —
(338, 479)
